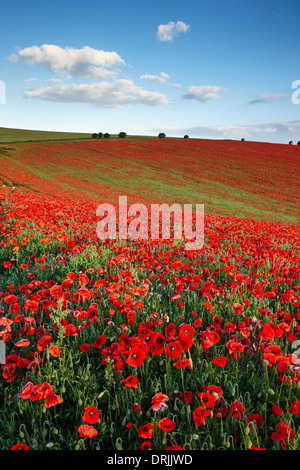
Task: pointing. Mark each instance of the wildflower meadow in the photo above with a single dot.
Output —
(140, 344)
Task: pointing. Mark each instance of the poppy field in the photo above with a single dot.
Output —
(141, 344)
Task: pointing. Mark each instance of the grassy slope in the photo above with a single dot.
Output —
(245, 179)
(10, 135)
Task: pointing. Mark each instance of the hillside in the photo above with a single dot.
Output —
(244, 179)
(106, 342)
(25, 135)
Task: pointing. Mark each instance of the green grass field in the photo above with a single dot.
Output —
(9, 135)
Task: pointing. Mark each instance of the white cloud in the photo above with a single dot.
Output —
(203, 93)
(102, 94)
(266, 131)
(28, 81)
(269, 97)
(57, 81)
(167, 32)
(85, 62)
(155, 78)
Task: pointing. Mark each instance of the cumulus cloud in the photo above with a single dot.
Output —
(28, 81)
(203, 93)
(102, 94)
(269, 97)
(155, 78)
(85, 63)
(167, 32)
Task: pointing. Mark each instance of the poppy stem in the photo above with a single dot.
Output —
(182, 379)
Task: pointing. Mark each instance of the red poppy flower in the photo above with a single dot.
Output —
(158, 401)
(136, 357)
(207, 399)
(147, 445)
(23, 343)
(295, 408)
(70, 330)
(182, 363)
(237, 409)
(91, 415)
(54, 351)
(282, 365)
(52, 400)
(19, 446)
(146, 334)
(174, 446)
(220, 361)
(198, 323)
(85, 347)
(131, 381)
(136, 407)
(167, 425)
(157, 344)
(45, 389)
(146, 431)
(36, 393)
(276, 410)
(22, 362)
(31, 305)
(284, 433)
(207, 339)
(220, 411)
(26, 391)
(186, 332)
(200, 414)
(43, 342)
(170, 331)
(216, 391)
(257, 418)
(174, 350)
(124, 343)
(72, 276)
(86, 430)
(234, 349)
(186, 397)
(15, 308)
(10, 299)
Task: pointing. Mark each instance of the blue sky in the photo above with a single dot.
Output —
(206, 68)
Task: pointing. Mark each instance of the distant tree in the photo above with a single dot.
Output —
(106, 135)
(298, 143)
(100, 135)
(122, 135)
(186, 136)
(290, 142)
(161, 135)
(94, 136)
(243, 140)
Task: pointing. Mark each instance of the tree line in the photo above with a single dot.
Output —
(161, 135)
